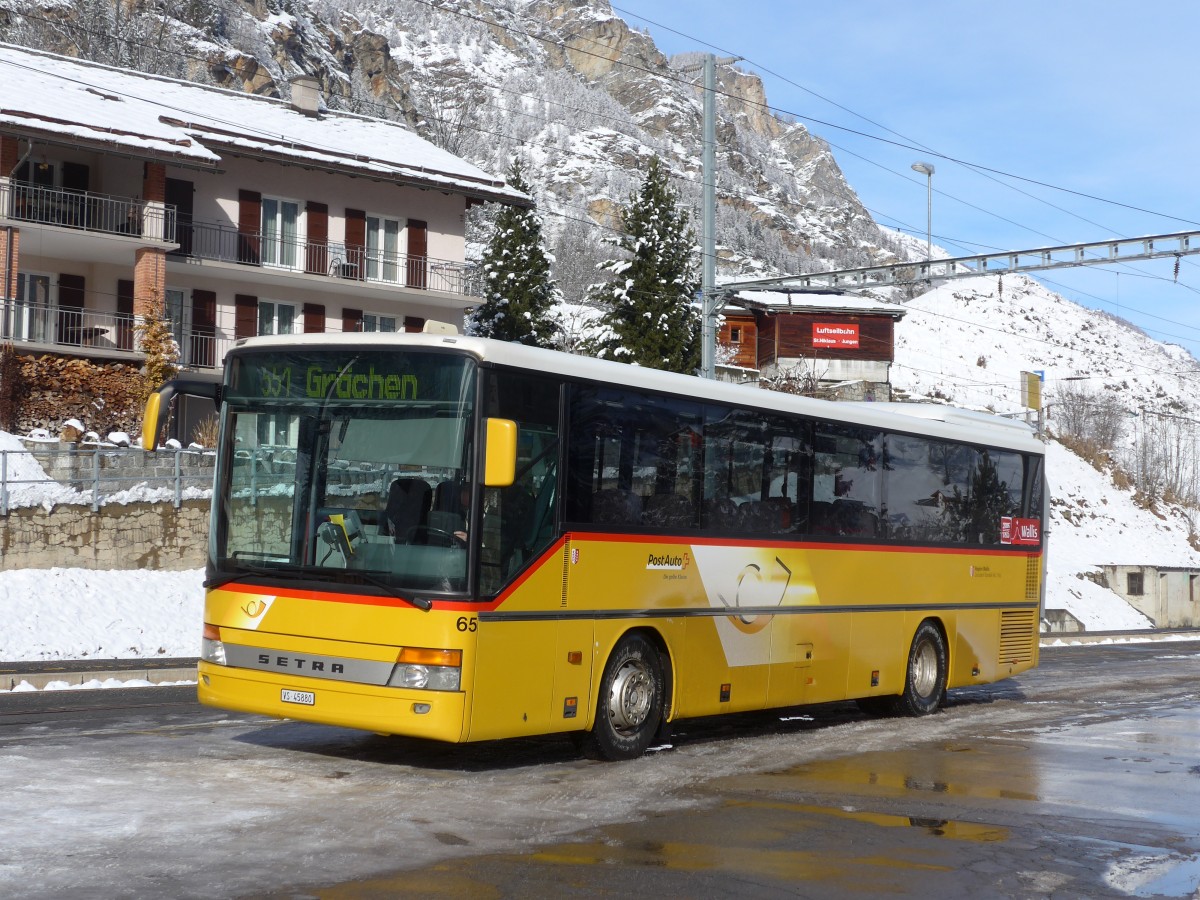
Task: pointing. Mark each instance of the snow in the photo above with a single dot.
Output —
(53, 614)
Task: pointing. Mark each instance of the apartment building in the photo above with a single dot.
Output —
(246, 215)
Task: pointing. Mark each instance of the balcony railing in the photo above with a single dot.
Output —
(199, 240)
(86, 211)
(200, 347)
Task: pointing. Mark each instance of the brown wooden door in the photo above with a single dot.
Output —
(204, 329)
(250, 228)
(179, 193)
(418, 248)
(70, 310)
(316, 251)
(356, 244)
(124, 335)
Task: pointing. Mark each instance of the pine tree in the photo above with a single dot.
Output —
(520, 294)
(649, 318)
(156, 341)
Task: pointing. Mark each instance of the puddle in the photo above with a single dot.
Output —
(1156, 875)
(954, 830)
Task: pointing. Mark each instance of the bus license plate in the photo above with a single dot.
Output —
(304, 698)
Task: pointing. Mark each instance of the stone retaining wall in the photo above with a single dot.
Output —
(117, 536)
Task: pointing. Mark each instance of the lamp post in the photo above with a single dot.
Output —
(926, 169)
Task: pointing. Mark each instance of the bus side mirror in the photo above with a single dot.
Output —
(158, 406)
(500, 462)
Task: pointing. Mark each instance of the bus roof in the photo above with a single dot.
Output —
(930, 419)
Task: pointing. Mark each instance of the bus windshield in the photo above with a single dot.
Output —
(348, 466)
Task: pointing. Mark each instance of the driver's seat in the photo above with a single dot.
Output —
(407, 507)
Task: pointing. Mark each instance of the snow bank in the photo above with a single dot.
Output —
(53, 614)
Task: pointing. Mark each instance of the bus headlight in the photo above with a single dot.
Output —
(427, 670)
(212, 649)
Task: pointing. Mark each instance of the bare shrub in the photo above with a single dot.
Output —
(1096, 419)
(799, 379)
(205, 432)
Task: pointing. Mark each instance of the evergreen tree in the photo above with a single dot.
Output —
(520, 294)
(156, 341)
(649, 317)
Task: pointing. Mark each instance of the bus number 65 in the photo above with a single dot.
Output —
(467, 623)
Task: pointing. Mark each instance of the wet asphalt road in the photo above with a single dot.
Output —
(1080, 779)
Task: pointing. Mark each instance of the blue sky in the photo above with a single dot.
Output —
(1098, 97)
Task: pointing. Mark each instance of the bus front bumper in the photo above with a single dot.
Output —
(436, 715)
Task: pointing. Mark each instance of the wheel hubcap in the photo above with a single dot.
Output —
(924, 670)
(631, 697)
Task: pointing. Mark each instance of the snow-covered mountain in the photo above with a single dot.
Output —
(568, 86)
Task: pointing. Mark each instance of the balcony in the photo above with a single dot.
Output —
(92, 333)
(349, 265)
(84, 211)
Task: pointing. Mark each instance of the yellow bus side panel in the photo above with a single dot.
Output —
(522, 678)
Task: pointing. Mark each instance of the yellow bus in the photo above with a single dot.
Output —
(459, 539)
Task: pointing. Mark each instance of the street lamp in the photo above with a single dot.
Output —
(926, 169)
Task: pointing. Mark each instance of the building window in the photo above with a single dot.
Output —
(1134, 584)
(375, 322)
(383, 249)
(280, 233)
(735, 334)
(276, 318)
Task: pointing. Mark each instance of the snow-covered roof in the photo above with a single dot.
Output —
(849, 304)
(85, 103)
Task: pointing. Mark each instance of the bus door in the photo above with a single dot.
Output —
(533, 671)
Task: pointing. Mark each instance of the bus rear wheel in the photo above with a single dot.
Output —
(925, 682)
(629, 707)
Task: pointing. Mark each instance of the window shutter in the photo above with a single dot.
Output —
(352, 320)
(245, 322)
(314, 318)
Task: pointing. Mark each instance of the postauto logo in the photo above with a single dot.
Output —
(676, 562)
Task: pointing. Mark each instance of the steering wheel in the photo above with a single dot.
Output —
(441, 537)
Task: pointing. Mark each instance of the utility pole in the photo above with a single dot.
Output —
(711, 300)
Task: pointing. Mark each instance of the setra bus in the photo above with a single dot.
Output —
(460, 539)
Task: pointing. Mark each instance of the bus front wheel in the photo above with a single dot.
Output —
(925, 683)
(629, 708)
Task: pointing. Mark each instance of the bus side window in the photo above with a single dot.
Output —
(848, 481)
(633, 460)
